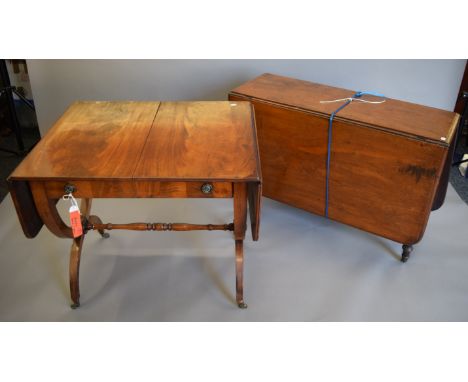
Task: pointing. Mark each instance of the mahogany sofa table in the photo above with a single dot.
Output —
(142, 150)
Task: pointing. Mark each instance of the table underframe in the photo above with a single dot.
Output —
(47, 211)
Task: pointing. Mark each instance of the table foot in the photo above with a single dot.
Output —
(75, 305)
(242, 305)
(407, 249)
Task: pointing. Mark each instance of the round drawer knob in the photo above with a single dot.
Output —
(207, 188)
(69, 188)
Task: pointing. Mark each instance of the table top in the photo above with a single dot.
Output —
(396, 116)
(148, 141)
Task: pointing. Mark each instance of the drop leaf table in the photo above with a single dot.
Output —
(380, 165)
(142, 150)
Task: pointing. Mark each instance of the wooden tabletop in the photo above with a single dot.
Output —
(396, 116)
(147, 140)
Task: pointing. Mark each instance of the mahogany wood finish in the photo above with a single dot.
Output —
(255, 205)
(240, 274)
(240, 224)
(94, 220)
(92, 140)
(377, 186)
(23, 200)
(444, 178)
(292, 156)
(196, 140)
(75, 258)
(142, 150)
(396, 116)
(386, 159)
(138, 189)
(47, 209)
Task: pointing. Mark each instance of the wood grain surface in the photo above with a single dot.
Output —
(142, 150)
(141, 189)
(254, 190)
(93, 139)
(147, 140)
(386, 159)
(47, 210)
(200, 140)
(383, 183)
(29, 218)
(75, 257)
(293, 149)
(132, 149)
(397, 116)
(240, 225)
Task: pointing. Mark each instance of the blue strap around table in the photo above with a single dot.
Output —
(330, 125)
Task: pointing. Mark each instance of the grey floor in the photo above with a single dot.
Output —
(304, 268)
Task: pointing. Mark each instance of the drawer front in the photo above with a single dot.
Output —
(139, 189)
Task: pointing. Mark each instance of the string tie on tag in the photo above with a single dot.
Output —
(71, 198)
(356, 97)
(350, 99)
(75, 215)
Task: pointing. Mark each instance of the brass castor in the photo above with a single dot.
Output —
(406, 253)
(242, 305)
(105, 235)
(75, 305)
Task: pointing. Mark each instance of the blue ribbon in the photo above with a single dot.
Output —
(359, 94)
(330, 125)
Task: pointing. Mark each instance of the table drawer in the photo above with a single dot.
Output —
(139, 189)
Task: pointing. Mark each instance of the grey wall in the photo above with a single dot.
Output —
(57, 83)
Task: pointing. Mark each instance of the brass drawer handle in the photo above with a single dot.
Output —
(207, 188)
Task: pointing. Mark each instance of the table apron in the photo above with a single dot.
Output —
(138, 189)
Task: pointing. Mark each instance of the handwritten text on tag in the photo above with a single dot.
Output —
(75, 221)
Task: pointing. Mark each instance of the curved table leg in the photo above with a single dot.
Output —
(47, 211)
(74, 269)
(240, 274)
(240, 225)
(75, 257)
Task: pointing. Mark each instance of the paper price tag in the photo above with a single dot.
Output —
(75, 216)
(75, 221)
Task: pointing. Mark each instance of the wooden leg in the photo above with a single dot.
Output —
(240, 225)
(75, 257)
(255, 204)
(240, 274)
(74, 269)
(407, 249)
